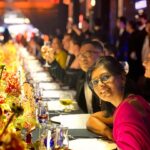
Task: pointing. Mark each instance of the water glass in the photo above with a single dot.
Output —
(62, 138)
(57, 138)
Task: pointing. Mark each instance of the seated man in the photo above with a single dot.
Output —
(66, 45)
(67, 76)
(90, 51)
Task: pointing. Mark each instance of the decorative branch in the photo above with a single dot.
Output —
(17, 111)
(2, 67)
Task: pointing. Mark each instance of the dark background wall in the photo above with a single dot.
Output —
(48, 20)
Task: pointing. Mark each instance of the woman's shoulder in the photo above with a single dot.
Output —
(134, 101)
(132, 106)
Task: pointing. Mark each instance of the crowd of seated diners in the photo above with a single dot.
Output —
(72, 57)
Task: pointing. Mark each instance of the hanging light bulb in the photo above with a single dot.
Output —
(93, 3)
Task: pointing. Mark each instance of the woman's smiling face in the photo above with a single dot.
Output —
(107, 86)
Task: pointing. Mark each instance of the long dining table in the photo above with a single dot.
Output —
(79, 137)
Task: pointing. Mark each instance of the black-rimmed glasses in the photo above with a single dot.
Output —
(103, 79)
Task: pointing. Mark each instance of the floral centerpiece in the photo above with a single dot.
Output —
(13, 100)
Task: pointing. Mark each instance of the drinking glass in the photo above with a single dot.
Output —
(62, 141)
(57, 138)
(43, 113)
(66, 99)
(45, 51)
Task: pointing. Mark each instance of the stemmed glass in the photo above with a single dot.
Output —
(45, 51)
(66, 99)
(43, 113)
(43, 117)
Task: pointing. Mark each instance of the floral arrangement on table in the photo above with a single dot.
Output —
(13, 100)
(10, 110)
(9, 56)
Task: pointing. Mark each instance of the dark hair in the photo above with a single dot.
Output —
(122, 19)
(143, 16)
(133, 24)
(148, 21)
(111, 48)
(76, 40)
(110, 63)
(115, 68)
(95, 43)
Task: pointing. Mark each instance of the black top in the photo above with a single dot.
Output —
(66, 76)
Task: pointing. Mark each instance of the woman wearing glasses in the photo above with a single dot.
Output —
(131, 119)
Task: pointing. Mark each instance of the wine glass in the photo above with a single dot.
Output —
(66, 99)
(45, 50)
(43, 113)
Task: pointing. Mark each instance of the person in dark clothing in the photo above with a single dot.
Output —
(98, 31)
(109, 50)
(134, 52)
(122, 40)
(6, 35)
(81, 97)
(66, 45)
(142, 20)
(89, 52)
(67, 76)
(84, 33)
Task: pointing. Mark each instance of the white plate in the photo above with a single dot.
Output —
(75, 121)
(49, 86)
(91, 144)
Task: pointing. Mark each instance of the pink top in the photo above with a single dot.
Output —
(132, 124)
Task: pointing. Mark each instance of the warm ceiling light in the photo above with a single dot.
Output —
(26, 20)
(93, 3)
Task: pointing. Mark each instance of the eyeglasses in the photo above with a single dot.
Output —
(103, 79)
(87, 54)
